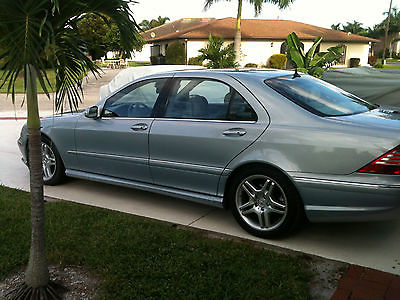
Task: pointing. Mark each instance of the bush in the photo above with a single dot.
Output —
(354, 62)
(195, 61)
(251, 65)
(175, 54)
(217, 55)
(277, 61)
(372, 60)
(378, 66)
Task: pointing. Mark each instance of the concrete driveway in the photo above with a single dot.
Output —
(375, 245)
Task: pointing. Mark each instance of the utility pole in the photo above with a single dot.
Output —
(386, 33)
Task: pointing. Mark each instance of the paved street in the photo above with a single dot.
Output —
(375, 245)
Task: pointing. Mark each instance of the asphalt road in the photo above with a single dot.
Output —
(375, 245)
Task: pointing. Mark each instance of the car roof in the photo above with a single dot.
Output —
(237, 73)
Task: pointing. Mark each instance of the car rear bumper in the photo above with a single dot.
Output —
(359, 198)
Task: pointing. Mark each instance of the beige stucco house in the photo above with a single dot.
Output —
(260, 38)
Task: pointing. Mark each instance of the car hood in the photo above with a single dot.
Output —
(384, 117)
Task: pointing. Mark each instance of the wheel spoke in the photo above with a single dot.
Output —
(263, 219)
(273, 202)
(249, 189)
(248, 211)
(277, 211)
(247, 205)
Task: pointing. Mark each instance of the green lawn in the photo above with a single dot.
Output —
(392, 60)
(391, 67)
(138, 258)
(19, 85)
(138, 63)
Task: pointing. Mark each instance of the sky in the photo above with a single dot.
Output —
(322, 13)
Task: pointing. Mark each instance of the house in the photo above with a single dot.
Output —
(260, 38)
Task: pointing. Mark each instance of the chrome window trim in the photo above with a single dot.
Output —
(206, 120)
(127, 118)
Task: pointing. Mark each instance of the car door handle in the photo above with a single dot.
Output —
(140, 126)
(235, 132)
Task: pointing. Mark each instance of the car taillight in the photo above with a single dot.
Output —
(388, 163)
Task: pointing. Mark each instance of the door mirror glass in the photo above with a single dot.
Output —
(92, 112)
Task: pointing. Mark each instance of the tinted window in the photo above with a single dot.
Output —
(318, 96)
(207, 99)
(135, 101)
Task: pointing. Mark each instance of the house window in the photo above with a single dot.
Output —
(284, 48)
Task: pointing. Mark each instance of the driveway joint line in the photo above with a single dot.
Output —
(206, 214)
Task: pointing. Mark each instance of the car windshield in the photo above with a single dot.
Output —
(319, 97)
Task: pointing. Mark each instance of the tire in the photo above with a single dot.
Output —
(53, 166)
(265, 203)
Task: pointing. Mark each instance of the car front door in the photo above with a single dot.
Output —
(116, 144)
(205, 124)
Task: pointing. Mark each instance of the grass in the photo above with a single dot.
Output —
(138, 63)
(138, 258)
(19, 84)
(391, 67)
(392, 60)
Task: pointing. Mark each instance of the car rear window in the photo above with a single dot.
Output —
(318, 97)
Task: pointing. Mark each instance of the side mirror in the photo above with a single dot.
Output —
(92, 112)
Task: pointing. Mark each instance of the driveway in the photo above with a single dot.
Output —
(374, 245)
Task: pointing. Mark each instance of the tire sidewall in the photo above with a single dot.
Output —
(60, 170)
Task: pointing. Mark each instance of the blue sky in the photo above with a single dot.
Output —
(317, 12)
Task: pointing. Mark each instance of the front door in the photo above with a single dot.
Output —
(117, 143)
(206, 123)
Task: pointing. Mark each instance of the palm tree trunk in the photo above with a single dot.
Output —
(37, 273)
(238, 34)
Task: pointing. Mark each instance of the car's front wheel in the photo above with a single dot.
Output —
(52, 165)
(265, 203)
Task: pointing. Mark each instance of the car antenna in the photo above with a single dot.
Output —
(296, 74)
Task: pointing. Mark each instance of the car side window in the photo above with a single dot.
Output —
(207, 100)
(135, 101)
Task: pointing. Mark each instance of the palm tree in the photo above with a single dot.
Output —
(257, 10)
(147, 25)
(35, 34)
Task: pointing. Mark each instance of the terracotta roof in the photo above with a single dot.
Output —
(251, 29)
(178, 26)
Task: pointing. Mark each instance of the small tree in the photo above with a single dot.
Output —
(218, 55)
(312, 63)
(175, 54)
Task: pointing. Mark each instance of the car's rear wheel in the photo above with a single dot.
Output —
(52, 165)
(265, 203)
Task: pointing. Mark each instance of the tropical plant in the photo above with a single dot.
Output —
(147, 25)
(217, 55)
(312, 62)
(257, 10)
(175, 54)
(34, 34)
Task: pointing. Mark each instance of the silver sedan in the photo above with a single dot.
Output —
(272, 146)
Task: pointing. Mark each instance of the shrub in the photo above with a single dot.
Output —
(378, 66)
(251, 65)
(277, 61)
(372, 60)
(175, 54)
(217, 55)
(195, 61)
(354, 62)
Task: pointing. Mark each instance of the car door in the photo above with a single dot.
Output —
(116, 144)
(205, 124)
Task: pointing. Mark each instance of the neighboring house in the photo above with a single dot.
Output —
(260, 38)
